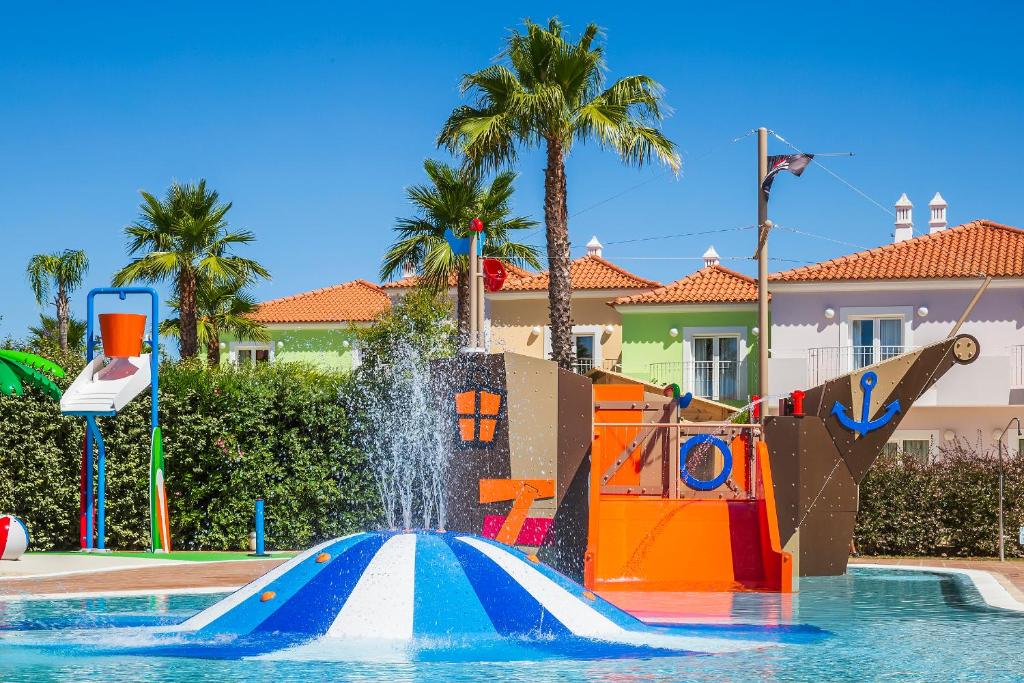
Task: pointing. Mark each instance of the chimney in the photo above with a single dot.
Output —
(594, 247)
(711, 257)
(938, 210)
(904, 219)
(408, 269)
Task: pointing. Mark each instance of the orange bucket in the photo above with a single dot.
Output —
(122, 334)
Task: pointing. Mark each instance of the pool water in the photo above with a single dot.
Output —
(881, 624)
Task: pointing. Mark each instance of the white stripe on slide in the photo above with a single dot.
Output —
(381, 604)
(218, 610)
(578, 617)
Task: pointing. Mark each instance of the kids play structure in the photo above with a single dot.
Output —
(110, 380)
(608, 484)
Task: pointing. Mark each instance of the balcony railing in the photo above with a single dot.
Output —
(717, 380)
(585, 365)
(829, 362)
(1017, 366)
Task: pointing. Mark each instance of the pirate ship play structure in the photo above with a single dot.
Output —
(607, 483)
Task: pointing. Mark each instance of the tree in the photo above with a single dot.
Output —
(47, 334)
(221, 307)
(449, 202)
(551, 92)
(185, 238)
(64, 272)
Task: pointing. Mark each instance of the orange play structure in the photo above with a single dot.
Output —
(653, 529)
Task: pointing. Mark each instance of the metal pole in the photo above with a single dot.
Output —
(762, 265)
(1002, 543)
(481, 324)
(259, 528)
(474, 302)
(88, 487)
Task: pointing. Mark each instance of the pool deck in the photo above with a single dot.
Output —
(55, 575)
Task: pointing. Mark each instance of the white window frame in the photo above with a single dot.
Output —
(932, 437)
(236, 346)
(690, 334)
(848, 314)
(597, 331)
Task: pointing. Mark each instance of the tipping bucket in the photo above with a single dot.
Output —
(122, 334)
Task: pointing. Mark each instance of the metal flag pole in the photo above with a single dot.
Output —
(763, 225)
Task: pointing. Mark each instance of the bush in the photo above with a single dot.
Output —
(230, 435)
(946, 507)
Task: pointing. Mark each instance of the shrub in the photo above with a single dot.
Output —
(948, 506)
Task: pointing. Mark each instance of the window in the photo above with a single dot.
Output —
(890, 449)
(917, 449)
(716, 367)
(875, 339)
(251, 353)
(1020, 446)
(478, 415)
(584, 352)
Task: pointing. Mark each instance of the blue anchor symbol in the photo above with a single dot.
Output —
(867, 383)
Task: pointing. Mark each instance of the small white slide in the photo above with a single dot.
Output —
(90, 393)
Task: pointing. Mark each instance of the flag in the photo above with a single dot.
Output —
(794, 163)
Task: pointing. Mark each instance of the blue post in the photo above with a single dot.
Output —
(87, 487)
(101, 482)
(259, 528)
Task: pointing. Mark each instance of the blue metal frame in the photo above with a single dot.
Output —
(92, 431)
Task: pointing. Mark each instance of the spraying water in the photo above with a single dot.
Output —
(404, 433)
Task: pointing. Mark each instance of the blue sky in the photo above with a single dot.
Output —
(313, 118)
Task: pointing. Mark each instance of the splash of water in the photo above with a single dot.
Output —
(404, 433)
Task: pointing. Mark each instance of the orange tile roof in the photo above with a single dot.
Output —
(411, 281)
(588, 272)
(709, 285)
(356, 301)
(965, 251)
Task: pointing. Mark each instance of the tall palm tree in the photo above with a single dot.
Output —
(551, 92)
(46, 334)
(222, 308)
(450, 201)
(63, 272)
(185, 238)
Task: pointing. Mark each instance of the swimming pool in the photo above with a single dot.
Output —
(883, 625)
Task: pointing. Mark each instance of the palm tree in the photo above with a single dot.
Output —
(449, 202)
(222, 308)
(552, 93)
(18, 368)
(47, 333)
(64, 272)
(185, 238)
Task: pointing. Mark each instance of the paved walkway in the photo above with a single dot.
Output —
(149, 575)
(36, 564)
(77, 574)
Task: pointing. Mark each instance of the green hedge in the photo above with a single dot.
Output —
(947, 507)
(278, 431)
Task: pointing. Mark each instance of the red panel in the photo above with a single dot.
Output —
(533, 532)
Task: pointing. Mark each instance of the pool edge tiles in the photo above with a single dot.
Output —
(988, 586)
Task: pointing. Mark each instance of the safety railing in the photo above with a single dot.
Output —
(714, 379)
(707, 460)
(828, 362)
(1017, 366)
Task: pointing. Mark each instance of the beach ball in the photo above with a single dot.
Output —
(13, 537)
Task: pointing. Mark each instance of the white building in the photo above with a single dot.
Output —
(840, 315)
